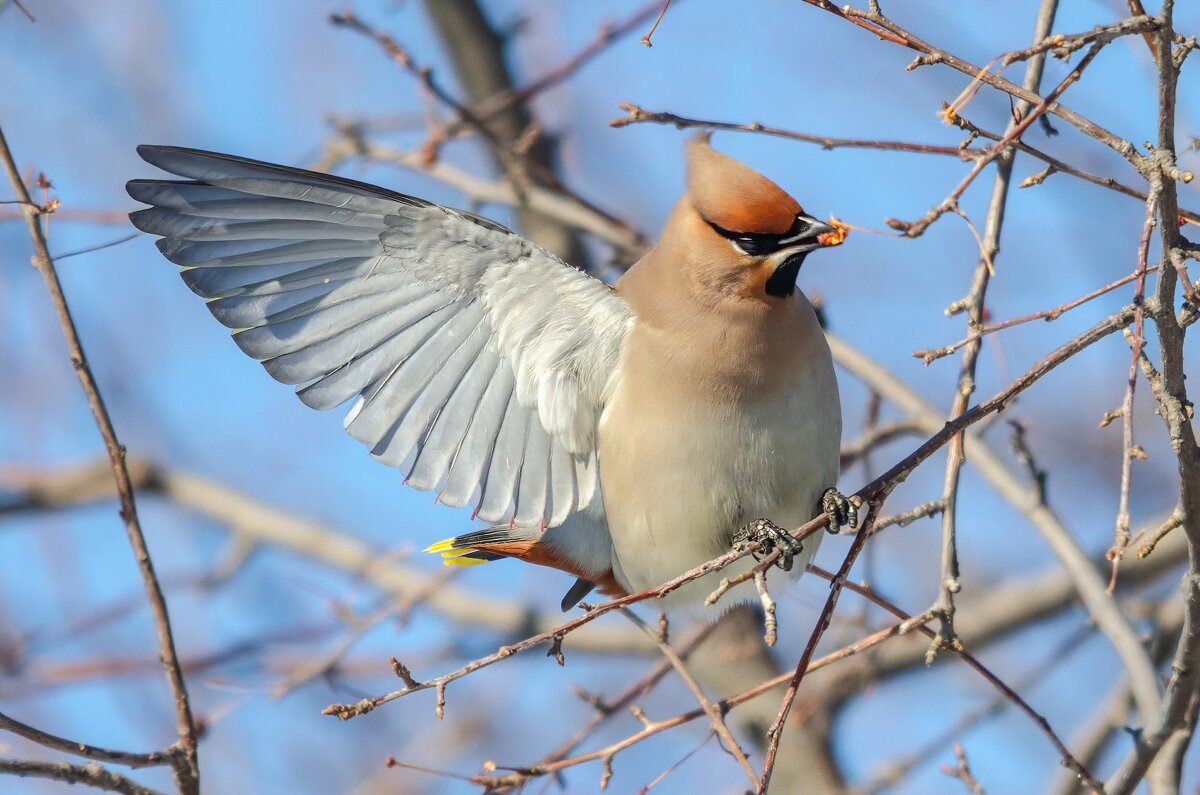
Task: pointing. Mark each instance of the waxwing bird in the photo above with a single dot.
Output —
(621, 434)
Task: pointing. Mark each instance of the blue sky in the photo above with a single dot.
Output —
(88, 82)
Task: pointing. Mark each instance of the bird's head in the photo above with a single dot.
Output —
(749, 223)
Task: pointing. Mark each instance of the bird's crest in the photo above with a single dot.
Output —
(734, 196)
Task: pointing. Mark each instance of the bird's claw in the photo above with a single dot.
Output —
(842, 511)
(770, 536)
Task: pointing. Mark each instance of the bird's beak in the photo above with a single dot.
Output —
(817, 234)
(825, 234)
(818, 231)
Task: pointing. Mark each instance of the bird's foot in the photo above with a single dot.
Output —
(843, 511)
(770, 536)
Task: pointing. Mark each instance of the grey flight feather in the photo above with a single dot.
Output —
(477, 360)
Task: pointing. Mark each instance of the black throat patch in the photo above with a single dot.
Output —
(783, 281)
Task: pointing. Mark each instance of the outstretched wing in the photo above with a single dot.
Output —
(477, 361)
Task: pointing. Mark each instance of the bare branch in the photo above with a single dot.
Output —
(775, 732)
(962, 772)
(91, 774)
(1092, 588)
(153, 759)
(186, 766)
(638, 115)
(931, 355)
(999, 150)
(715, 715)
(651, 728)
(1160, 533)
(1121, 533)
(875, 436)
(646, 39)
(949, 584)
(894, 772)
(889, 31)
(1067, 758)
(922, 511)
(1169, 731)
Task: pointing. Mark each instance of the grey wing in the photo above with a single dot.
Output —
(475, 360)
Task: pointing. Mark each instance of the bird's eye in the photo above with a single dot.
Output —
(751, 245)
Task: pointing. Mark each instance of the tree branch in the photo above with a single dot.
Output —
(1174, 724)
(949, 584)
(186, 765)
(91, 774)
(153, 759)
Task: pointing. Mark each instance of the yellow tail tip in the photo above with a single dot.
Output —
(454, 556)
(462, 560)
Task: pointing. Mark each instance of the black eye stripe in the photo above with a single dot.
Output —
(750, 242)
(762, 244)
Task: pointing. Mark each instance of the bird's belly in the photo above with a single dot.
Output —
(679, 478)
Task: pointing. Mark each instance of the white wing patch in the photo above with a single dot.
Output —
(478, 362)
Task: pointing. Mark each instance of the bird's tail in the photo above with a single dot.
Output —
(530, 545)
(491, 543)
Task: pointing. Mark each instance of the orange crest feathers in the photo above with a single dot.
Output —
(734, 196)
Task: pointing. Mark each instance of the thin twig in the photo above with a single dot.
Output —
(1160, 533)
(400, 56)
(651, 728)
(19, 4)
(363, 706)
(675, 766)
(350, 143)
(1168, 731)
(638, 115)
(962, 771)
(489, 108)
(893, 772)
(875, 436)
(98, 247)
(1102, 608)
(770, 623)
(888, 30)
(1121, 532)
(1063, 44)
(775, 732)
(654, 27)
(715, 715)
(152, 759)
(922, 511)
(606, 709)
(949, 583)
(999, 149)
(1067, 758)
(186, 766)
(1020, 445)
(930, 355)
